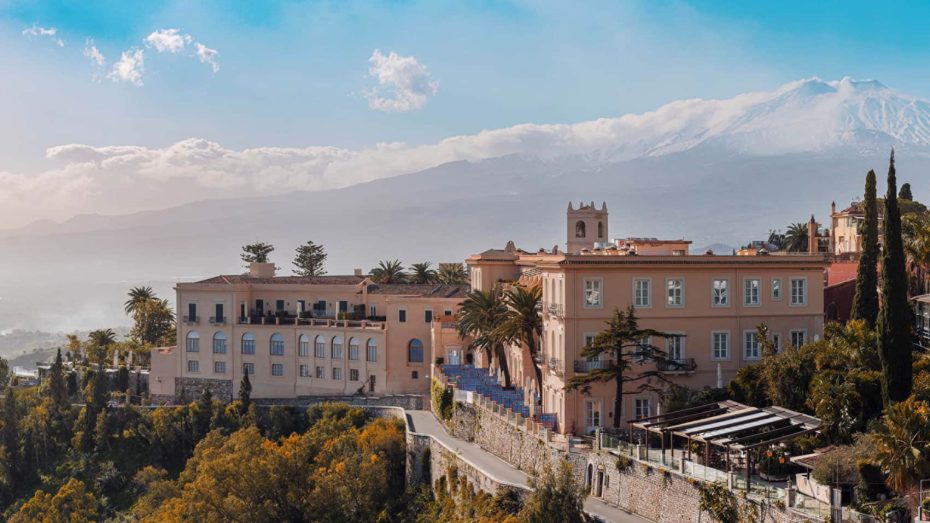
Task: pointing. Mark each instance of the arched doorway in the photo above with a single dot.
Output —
(589, 475)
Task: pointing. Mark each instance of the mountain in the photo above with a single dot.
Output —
(696, 169)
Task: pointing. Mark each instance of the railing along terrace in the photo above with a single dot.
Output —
(191, 319)
(677, 365)
(589, 365)
(221, 320)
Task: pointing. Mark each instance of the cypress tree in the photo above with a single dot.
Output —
(865, 301)
(905, 192)
(894, 319)
(245, 392)
(57, 388)
(11, 436)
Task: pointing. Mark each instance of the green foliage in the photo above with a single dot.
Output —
(522, 324)
(245, 392)
(676, 397)
(256, 253)
(902, 443)
(749, 387)
(310, 260)
(555, 497)
(154, 323)
(717, 500)
(905, 192)
(631, 360)
(865, 300)
(624, 462)
(796, 237)
(894, 320)
(71, 503)
(452, 274)
(480, 317)
(442, 400)
(422, 273)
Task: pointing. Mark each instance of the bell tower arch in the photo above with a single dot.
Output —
(586, 226)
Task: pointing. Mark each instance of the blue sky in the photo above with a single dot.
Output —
(296, 74)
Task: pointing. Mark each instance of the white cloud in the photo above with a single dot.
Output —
(403, 83)
(129, 68)
(207, 56)
(168, 40)
(44, 32)
(91, 51)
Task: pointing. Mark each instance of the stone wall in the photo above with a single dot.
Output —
(192, 388)
(404, 401)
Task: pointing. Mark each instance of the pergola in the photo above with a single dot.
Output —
(726, 425)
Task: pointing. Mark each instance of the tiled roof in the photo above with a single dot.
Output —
(417, 289)
(232, 279)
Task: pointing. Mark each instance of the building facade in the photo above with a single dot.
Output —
(711, 304)
(304, 336)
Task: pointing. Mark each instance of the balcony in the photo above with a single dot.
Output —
(589, 365)
(191, 320)
(554, 309)
(221, 320)
(677, 366)
(555, 366)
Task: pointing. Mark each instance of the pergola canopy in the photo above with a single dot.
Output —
(732, 425)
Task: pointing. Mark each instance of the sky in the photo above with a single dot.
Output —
(265, 86)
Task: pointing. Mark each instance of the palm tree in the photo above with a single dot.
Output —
(98, 342)
(902, 448)
(915, 230)
(523, 325)
(423, 273)
(480, 317)
(74, 346)
(138, 295)
(452, 274)
(796, 237)
(390, 271)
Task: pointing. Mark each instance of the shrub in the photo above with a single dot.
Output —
(624, 462)
(719, 502)
(442, 400)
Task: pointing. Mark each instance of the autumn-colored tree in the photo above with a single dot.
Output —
(72, 503)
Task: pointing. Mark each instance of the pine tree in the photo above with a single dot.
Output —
(310, 260)
(905, 192)
(894, 319)
(245, 392)
(256, 252)
(57, 388)
(865, 301)
(101, 432)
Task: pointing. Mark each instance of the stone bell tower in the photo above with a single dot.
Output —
(586, 226)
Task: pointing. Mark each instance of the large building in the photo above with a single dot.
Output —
(845, 225)
(712, 303)
(302, 336)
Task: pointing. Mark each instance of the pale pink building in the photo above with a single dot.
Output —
(304, 336)
(714, 303)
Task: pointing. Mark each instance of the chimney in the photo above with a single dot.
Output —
(261, 270)
(357, 271)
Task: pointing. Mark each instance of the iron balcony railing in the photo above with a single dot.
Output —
(677, 365)
(555, 309)
(589, 365)
(218, 320)
(191, 319)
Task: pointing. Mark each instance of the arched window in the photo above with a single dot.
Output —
(415, 351)
(193, 342)
(336, 353)
(371, 350)
(248, 343)
(579, 229)
(277, 345)
(600, 230)
(353, 348)
(303, 345)
(219, 343)
(319, 347)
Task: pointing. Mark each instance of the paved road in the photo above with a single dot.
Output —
(423, 422)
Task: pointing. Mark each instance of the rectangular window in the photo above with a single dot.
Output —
(593, 292)
(193, 342)
(675, 348)
(343, 306)
(721, 292)
(751, 287)
(248, 345)
(279, 305)
(219, 318)
(641, 408)
(721, 345)
(353, 374)
(776, 289)
(798, 291)
(641, 294)
(304, 347)
(798, 338)
(447, 312)
(320, 372)
(751, 345)
(428, 316)
(372, 311)
(304, 371)
(277, 369)
(415, 375)
(372, 352)
(319, 348)
(592, 414)
(248, 368)
(337, 373)
(277, 347)
(192, 313)
(219, 367)
(193, 366)
(402, 316)
(776, 342)
(675, 292)
(219, 345)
